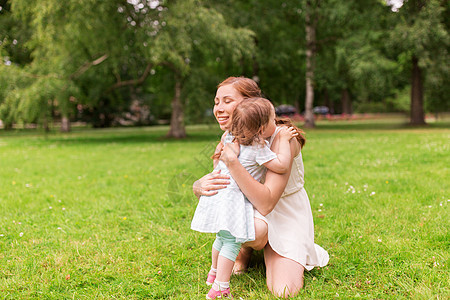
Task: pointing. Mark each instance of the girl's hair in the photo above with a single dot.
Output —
(247, 87)
(249, 119)
(287, 122)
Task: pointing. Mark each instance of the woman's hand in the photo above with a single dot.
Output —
(288, 133)
(210, 183)
(230, 153)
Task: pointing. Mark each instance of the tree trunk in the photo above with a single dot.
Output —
(7, 125)
(177, 129)
(65, 124)
(45, 125)
(417, 113)
(310, 53)
(346, 102)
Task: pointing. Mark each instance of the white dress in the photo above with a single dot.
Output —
(291, 228)
(229, 209)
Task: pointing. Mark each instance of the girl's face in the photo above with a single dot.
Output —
(226, 100)
(269, 129)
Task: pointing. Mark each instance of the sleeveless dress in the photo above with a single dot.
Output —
(290, 223)
(229, 209)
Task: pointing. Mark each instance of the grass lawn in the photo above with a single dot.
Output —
(105, 214)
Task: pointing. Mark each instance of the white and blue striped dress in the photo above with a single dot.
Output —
(229, 209)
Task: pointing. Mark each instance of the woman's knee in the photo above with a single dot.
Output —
(261, 230)
(286, 289)
(284, 276)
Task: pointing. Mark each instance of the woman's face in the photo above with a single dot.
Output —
(226, 100)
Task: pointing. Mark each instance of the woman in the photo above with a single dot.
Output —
(283, 219)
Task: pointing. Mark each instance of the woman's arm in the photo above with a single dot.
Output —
(265, 196)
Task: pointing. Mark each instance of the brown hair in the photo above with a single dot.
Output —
(249, 120)
(287, 122)
(247, 87)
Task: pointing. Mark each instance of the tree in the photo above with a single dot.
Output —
(13, 53)
(192, 36)
(361, 56)
(312, 8)
(277, 61)
(421, 40)
(64, 45)
(93, 53)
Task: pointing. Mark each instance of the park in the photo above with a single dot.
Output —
(106, 122)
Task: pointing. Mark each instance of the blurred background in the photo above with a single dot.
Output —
(133, 63)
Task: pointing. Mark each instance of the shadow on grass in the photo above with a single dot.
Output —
(196, 133)
(129, 135)
(136, 139)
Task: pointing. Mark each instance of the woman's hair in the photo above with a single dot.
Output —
(247, 87)
(250, 90)
(287, 122)
(249, 119)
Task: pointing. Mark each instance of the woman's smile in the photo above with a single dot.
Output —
(222, 119)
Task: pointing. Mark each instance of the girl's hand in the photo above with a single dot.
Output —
(210, 183)
(288, 133)
(218, 150)
(230, 153)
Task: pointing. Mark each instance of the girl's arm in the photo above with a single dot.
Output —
(217, 154)
(218, 150)
(282, 163)
(265, 196)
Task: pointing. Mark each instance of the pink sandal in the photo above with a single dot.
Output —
(213, 294)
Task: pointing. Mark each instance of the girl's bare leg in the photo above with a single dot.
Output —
(284, 276)
(243, 258)
(224, 267)
(214, 257)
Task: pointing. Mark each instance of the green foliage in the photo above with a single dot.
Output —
(192, 43)
(195, 32)
(94, 59)
(278, 62)
(63, 43)
(400, 102)
(92, 50)
(357, 61)
(421, 31)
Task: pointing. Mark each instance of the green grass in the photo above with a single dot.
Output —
(105, 214)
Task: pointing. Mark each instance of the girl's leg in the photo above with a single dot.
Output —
(242, 260)
(224, 267)
(214, 257)
(221, 286)
(217, 246)
(227, 256)
(284, 276)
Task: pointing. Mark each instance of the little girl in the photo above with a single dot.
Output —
(228, 213)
